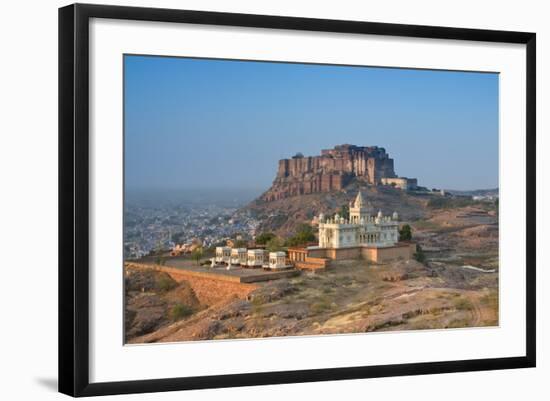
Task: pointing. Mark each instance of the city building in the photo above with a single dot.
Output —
(404, 183)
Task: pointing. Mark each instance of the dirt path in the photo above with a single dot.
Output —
(476, 312)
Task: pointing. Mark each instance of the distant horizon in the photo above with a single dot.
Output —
(261, 190)
(211, 124)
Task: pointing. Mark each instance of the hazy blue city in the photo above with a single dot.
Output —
(157, 220)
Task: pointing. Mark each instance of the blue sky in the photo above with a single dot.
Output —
(196, 123)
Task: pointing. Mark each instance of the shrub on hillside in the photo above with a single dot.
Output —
(180, 311)
(419, 255)
(165, 283)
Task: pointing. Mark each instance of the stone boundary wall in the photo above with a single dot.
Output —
(319, 261)
(344, 253)
(317, 253)
(209, 288)
(402, 250)
(314, 264)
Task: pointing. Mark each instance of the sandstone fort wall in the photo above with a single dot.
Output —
(331, 171)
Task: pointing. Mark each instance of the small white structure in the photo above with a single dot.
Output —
(231, 266)
(256, 257)
(239, 256)
(277, 260)
(223, 254)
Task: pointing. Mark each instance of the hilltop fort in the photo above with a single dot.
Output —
(333, 170)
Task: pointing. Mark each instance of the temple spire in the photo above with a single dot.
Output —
(359, 200)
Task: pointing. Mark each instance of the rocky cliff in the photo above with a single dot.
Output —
(331, 171)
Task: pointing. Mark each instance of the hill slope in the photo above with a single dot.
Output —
(284, 215)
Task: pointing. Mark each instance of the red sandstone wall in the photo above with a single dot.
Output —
(209, 291)
(318, 261)
(329, 172)
(317, 253)
(369, 254)
(403, 251)
(344, 253)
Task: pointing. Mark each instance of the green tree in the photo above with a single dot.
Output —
(304, 234)
(344, 211)
(240, 243)
(405, 233)
(264, 238)
(419, 255)
(275, 244)
(197, 255)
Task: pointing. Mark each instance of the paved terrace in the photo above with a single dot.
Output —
(178, 265)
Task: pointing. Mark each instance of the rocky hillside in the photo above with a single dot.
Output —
(153, 300)
(350, 297)
(282, 216)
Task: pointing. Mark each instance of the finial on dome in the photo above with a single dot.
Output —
(380, 215)
(395, 216)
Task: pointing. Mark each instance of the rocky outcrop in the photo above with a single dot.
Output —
(331, 171)
(150, 296)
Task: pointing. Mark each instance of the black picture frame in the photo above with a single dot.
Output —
(74, 198)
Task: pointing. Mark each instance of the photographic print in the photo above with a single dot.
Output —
(269, 199)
